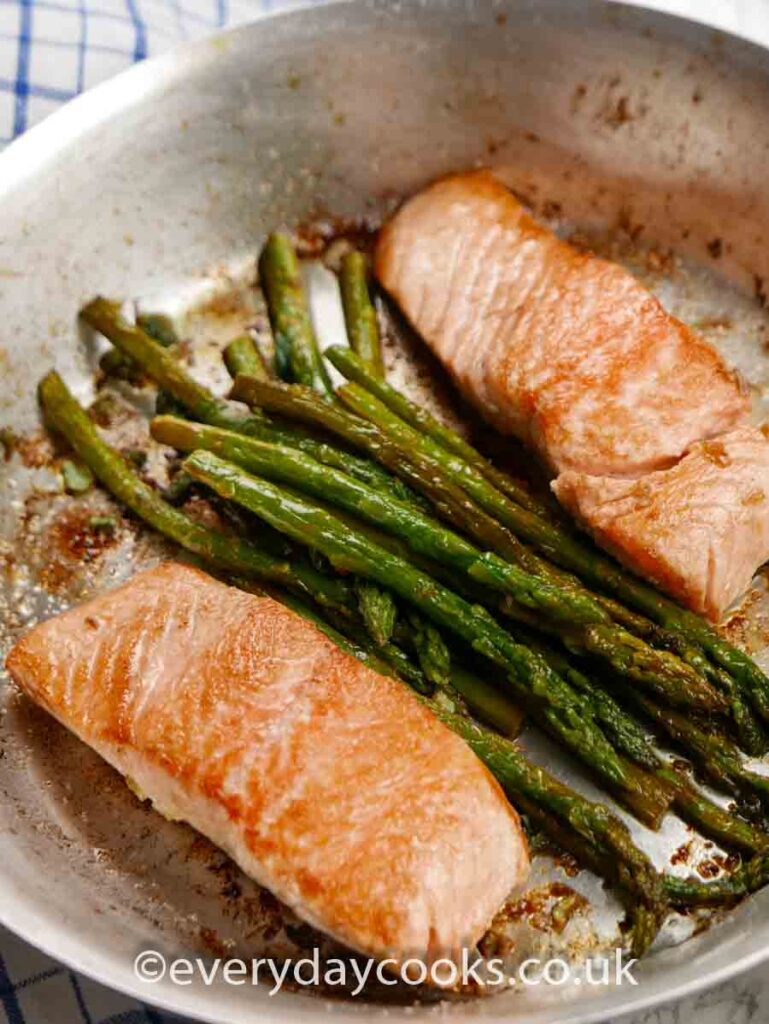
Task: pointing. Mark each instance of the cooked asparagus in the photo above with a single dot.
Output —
(359, 314)
(357, 370)
(297, 357)
(242, 356)
(581, 620)
(170, 375)
(378, 611)
(552, 702)
(564, 548)
(65, 415)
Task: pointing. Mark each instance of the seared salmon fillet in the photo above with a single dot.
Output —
(566, 351)
(326, 782)
(699, 530)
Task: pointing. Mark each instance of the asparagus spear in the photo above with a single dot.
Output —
(564, 548)
(424, 535)
(746, 879)
(65, 415)
(297, 356)
(553, 703)
(242, 356)
(681, 892)
(116, 363)
(431, 650)
(574, 613)
(168, 373)
(357, 370)
(629, 737)
(377, 610)
(486, 702)
(719, 759)
(360, 315)
(105, 317)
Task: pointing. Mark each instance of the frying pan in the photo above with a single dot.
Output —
(166, 178)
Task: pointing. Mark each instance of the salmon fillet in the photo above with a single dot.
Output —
(699, 530)
(329, 784)
(568, 352)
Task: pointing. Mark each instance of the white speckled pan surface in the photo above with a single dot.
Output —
(644, 134)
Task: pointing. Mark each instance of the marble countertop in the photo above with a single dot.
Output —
(745, 1000)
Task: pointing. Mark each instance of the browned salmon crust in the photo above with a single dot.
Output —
(699, 530)
(566, 351)
(328, 783)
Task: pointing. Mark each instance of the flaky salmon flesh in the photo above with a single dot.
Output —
(329, 784)
(699, 530)
(572, 355)
(566, 351)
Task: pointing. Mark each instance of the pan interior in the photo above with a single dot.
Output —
(636, 134)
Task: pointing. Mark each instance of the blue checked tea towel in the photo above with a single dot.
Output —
(51, 50)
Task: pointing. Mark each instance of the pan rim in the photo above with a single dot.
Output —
(23, 158)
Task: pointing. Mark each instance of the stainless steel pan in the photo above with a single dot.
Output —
(165, 180)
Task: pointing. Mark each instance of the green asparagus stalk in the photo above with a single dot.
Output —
(169, 374)
(431, 650)
(667, 676)
(487, 703)
(681, 892)
(115, 363)
(104, 316)
(425, 535)
(717, 757)
(64, 414)
(552, 702)
(710, 819)
(746, 879)
(629, 737)
(360, 315)
(297, 356)
(242, 356)
(570, 610)
(377, 610)
(356, 370)
(563, 547)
